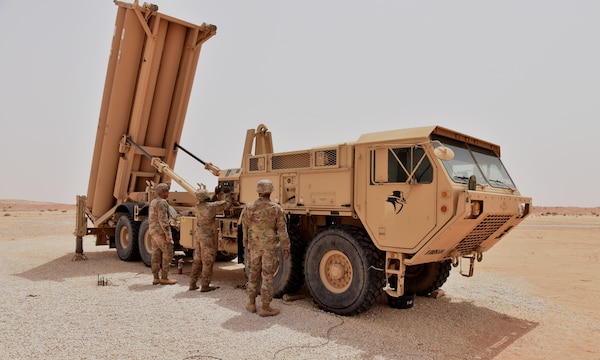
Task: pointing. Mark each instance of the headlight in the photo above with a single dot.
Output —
(523, 209)
(474, 209)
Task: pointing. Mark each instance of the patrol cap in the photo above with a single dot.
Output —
(264, 186)
(202, 195)
(161, 188)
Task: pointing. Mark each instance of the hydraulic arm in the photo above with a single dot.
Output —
(163, 168)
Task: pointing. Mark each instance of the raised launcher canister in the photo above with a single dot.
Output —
(151, 70)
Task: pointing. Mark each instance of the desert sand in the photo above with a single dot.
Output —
(534, 296)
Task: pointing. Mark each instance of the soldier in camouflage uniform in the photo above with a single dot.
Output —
(160, 232)
(205, 241)
(264, 231)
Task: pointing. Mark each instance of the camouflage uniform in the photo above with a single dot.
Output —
(159, 229)
(205, 240)
(264, 230)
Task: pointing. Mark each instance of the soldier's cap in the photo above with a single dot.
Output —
(161, 188)
(264, 186)
(202, 194)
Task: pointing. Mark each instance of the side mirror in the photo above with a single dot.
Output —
(443, 153)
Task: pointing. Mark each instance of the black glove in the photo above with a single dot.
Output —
(218, 189)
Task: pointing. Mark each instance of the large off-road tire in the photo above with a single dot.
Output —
(344, 270)
(289, 277)
(424, 278)
(126, 238)
(223, 256)
(189, 252)
(145, 243)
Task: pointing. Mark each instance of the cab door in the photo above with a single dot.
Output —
(400, 196)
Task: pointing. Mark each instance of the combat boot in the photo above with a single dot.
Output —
(251, 306)
(268, 311)
(165, 279)
(207, 288)
(156, 279)
(193, 286)
(194, 276)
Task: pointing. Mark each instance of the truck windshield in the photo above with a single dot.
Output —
(473, 160)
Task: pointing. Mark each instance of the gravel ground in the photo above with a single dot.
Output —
(55, 308)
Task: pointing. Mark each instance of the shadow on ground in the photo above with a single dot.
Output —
(97, 263)
(417, 333)
(420, 332)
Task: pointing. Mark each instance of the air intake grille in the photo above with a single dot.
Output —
(257, 164)
(326, 158)
(291, 161)
(482, 232)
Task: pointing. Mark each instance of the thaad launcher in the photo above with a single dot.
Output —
(389, 213)
(151, 70)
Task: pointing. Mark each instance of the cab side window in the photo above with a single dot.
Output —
(423, 169)
(402, 165)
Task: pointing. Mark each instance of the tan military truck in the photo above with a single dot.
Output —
(390, 212)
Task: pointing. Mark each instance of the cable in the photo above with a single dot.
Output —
(329, 330)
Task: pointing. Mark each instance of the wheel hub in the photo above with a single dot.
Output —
(336, 271)
(124, 237)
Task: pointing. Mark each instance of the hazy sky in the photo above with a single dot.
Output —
(521, 74)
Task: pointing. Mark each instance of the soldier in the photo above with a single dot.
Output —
(205, 241)
(264, 231)
(160, 232)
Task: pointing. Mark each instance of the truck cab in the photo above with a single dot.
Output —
(429, 195)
